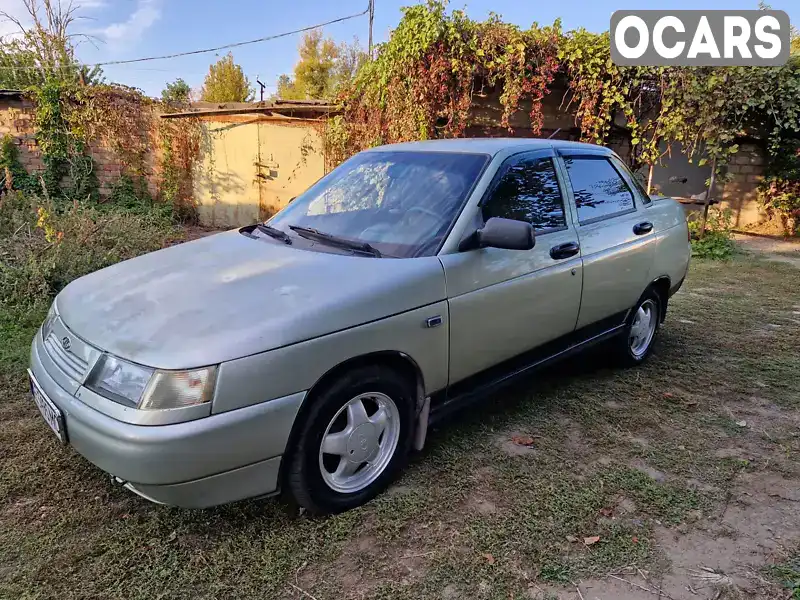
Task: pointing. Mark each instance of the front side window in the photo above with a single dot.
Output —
(402, 203)
(528, 191)
(599, 190)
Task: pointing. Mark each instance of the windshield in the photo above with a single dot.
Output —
(400, 203)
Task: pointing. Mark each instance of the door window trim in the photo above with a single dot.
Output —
(606, 156)
(534, 155)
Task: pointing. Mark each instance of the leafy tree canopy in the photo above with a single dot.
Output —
(226, 82)
(176, 93)
(324, 67)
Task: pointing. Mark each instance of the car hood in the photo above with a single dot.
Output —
(227, 296)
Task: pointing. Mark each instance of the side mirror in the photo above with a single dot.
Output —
(507, 234)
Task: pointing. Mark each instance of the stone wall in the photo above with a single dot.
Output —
(740, 193)
(17, 119)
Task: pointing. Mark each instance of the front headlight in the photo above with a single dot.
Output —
(176, 389)
(120, 380)
(47, 326)
(150, 389)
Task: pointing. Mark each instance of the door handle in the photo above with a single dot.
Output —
(642, 228)
(563, 251)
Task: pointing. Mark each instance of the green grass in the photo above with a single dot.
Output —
(617, 455)
(787, 574)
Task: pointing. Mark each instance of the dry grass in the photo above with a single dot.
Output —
(652, 461)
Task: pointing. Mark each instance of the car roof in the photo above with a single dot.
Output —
(489, 146)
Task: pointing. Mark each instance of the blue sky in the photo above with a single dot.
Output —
(134, 28)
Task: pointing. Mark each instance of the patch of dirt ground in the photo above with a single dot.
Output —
(774, 248)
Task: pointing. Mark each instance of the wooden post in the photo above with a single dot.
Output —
(371, 19)
(709, 193)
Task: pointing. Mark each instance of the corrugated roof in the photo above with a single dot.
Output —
(304, 109)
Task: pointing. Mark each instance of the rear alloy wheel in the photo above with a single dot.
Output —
(643, 328)
(352, 441)
(635, 345)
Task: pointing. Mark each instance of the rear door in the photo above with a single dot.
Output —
(617, 241)
(505, 302)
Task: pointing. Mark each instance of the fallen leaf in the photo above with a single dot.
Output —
(171, 537)
(668, 395)
(741, 423)
(635, 540)
(489, 558)
(591, 540)
(606, 511)
(572, 539)
(522, 440)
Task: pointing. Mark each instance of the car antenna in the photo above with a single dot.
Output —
(550, 137)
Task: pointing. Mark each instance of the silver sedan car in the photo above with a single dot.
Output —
(309, 354)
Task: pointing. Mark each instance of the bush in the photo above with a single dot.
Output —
(717, 243)
(42, 248)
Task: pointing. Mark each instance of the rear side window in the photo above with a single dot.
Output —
(528, 191)
(636, 178)
(600, 191)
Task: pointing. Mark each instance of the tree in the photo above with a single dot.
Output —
(351, 57)
(45, 48)
(322, 69)
(226, 82)
(176, 93)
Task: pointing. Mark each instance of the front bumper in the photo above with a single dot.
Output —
(213, 460)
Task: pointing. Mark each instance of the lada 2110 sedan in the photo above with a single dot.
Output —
(310, 353)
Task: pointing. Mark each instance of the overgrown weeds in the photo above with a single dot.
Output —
(43, 246)
(717, 241)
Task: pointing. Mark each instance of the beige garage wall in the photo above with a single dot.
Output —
(251, 166)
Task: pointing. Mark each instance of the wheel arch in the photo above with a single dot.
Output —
(393, 359)
(661, 285)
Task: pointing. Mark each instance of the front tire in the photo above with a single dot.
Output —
(353, 441)
(636, 342)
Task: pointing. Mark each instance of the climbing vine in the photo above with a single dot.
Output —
(422, 84)
(178, 142)
(72, 121)
(63, 148)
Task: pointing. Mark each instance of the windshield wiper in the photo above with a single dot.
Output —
(275, 233)
(332, 240)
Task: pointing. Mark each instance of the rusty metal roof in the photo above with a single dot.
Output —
(301, 109)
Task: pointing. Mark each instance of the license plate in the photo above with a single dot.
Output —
(51, 413)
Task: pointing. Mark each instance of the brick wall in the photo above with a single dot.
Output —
(740, 194)
(17, 119)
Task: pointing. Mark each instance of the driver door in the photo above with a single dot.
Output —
(506, 302)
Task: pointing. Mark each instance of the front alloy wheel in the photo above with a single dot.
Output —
(359, 442)
(352, 439)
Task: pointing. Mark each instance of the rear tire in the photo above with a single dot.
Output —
(635, 344)
(353, 441)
